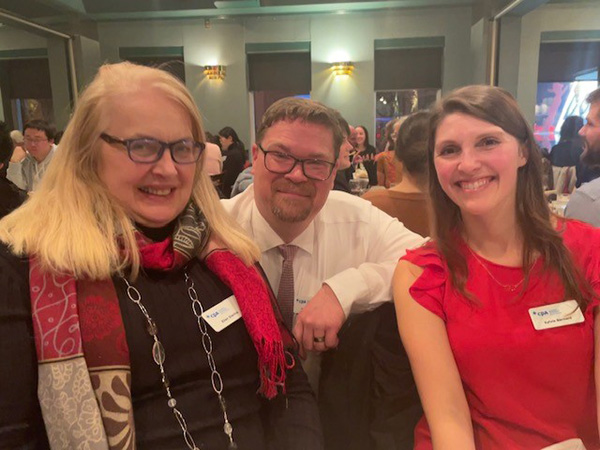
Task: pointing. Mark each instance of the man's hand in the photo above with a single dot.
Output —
(18, 154)
(318, 323)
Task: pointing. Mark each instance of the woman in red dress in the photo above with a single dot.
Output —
(497, 312)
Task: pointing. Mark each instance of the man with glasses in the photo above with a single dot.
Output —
(340, 249)
(39, 144)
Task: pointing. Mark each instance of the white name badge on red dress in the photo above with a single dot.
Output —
(223, 314)
(556, 315)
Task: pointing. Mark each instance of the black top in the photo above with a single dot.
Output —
(11, 197)
(566, 154)
(257, 422)
(235, 158)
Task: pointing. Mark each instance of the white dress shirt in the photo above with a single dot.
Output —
(350, 245)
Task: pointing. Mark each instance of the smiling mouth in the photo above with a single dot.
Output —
(474, 185)
(157, 192)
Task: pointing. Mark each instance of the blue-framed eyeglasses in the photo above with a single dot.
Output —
(148, 150)
(282, 163)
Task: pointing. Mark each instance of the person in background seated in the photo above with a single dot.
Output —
(39, 143)
(343, 173)
(386, 165)
(566, 154)
(234, 158)
(570, 146)
(11, 196)
(505, 287)
(408, 200)
(365, 154)
(244, 179)
(584, 203)
(114, 275)
(213, 161)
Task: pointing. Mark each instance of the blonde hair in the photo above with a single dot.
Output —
(71, 223)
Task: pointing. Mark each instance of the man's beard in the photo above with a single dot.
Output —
(291, 212)
(591, 156)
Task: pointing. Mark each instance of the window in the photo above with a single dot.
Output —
(408, 78)
(276, 71)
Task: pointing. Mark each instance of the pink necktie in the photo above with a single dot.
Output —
(285, 295)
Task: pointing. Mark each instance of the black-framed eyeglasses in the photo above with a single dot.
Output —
(29, 140)
(282, 163)
(148, 150)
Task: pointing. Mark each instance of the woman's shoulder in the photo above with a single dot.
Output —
(579, 237)
(428, 277)
(428, 257)
(576, 232)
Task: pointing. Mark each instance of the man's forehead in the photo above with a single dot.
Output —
(34, 131)
(279, 131)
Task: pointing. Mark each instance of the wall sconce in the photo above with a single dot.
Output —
(214, 72)
(342, 68)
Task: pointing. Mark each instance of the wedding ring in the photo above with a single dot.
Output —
(319, 339)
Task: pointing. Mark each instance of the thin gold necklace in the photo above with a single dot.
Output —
(508, 287)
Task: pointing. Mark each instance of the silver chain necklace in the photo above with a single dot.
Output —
(159, 355)
(508, 287)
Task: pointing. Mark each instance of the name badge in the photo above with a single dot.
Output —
(299, 305)
(223, 314)
(556, 315)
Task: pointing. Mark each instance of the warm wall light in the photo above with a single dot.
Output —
(214, 72)
(342, 68)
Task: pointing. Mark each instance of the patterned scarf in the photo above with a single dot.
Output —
(84, 378)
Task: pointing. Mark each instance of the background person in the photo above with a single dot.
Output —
(213, 160)
(387, 175)
(464, 302)
(365, 154)
(106, 257)
(343, 173)
(408, 200)
(11, 196)
(234, 154)
(565, 156)
(584, 203)
(39, 143)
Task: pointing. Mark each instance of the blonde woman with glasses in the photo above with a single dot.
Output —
(134, 315)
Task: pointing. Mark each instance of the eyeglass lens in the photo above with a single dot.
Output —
(148, 150)
(282, 163)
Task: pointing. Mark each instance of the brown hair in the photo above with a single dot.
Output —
(388, 130)
(593, 96)
(498, 107)
(293, 108)
(410, 147)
